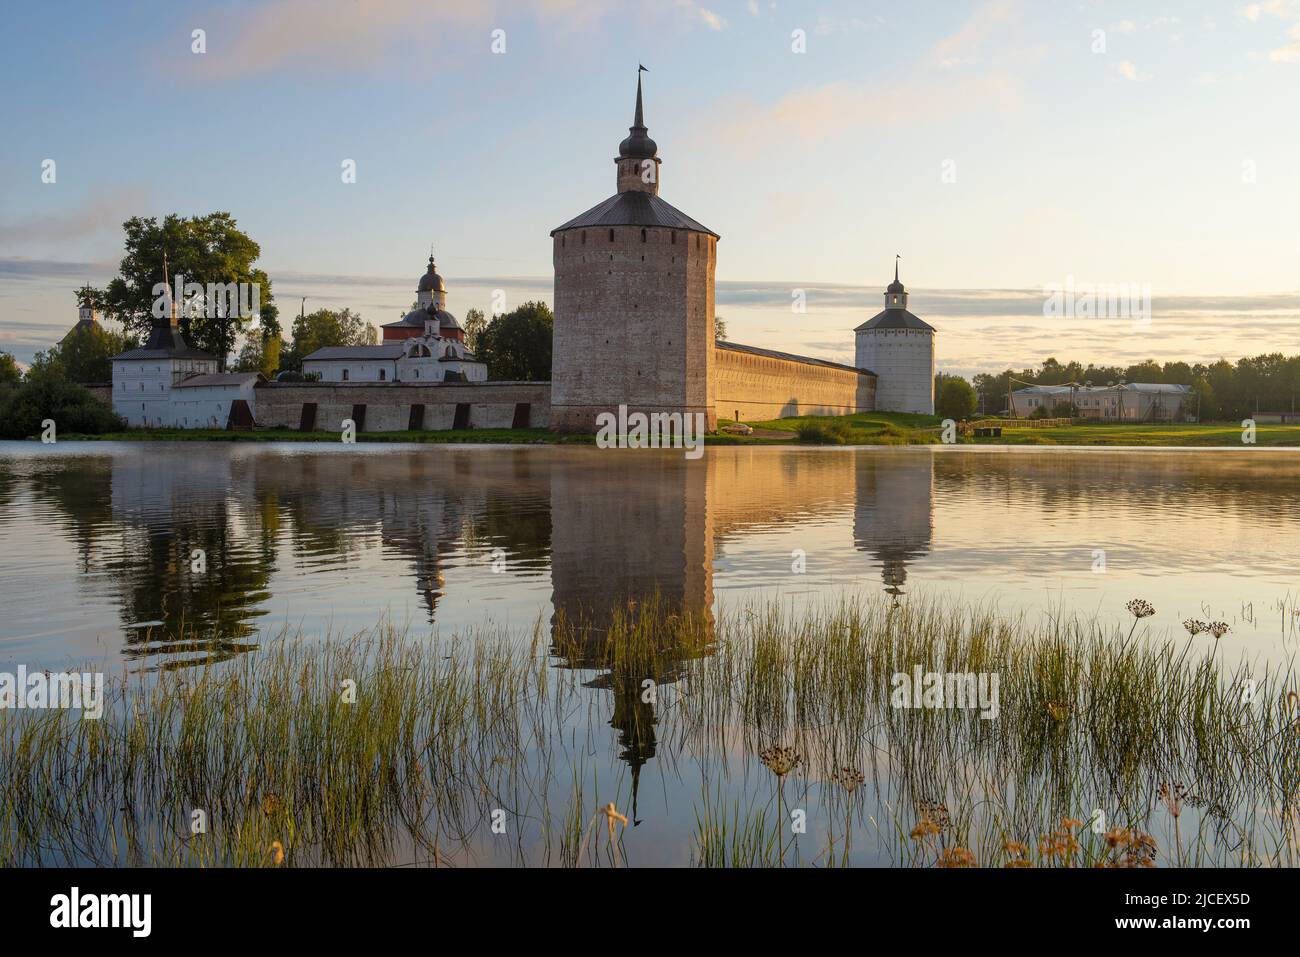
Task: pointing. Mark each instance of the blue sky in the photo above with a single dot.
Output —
(1170, 158)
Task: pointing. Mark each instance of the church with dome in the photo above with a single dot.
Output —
(427, 345)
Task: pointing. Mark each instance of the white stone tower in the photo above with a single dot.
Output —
(899, 348)
(633, 301)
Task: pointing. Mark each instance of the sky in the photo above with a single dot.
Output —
(999, 146)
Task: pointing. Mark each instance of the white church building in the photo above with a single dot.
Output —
(427, 345)
(167, 383)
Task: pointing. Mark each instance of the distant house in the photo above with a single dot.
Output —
(1130, 402)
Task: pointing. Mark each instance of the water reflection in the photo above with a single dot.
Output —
(166, 555)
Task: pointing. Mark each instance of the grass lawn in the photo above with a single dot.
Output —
(495, 436)
(1227, 434)
(863, 428)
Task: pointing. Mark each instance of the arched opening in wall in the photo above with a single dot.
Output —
(359, 416)
(383, 375)
(523, 415)
(562, 239)
(611, 235)
(584, 237)
(416, 421)
(674, 238)
(307, 420)
(643, 235)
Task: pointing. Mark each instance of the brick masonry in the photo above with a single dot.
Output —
(761, 387)
(388, 406)
(633, 323)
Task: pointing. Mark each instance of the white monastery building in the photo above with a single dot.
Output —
(427, 345)
(167, 383)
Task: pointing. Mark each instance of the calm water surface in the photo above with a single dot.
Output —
(99, 539)
(99, 544)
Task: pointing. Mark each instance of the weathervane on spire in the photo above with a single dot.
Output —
(897, 257)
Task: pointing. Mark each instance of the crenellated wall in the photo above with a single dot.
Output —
(492, 405)
(760, 385)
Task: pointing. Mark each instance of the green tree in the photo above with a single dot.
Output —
(719, 329)
(517, 345)
(201, 249)
(85, 355)
(323, 328)
(259, 355)
(10, 374)
(956, 399)
(475, 323)
(45, 394)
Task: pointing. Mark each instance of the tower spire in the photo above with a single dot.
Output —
(638, 121)
(638, 160)
(168, 283)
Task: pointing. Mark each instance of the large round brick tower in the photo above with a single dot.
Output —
(633, 301)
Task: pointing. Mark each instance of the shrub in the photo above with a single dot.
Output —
(46, 395)
(824, 432)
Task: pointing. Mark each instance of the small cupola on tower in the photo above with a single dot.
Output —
(638, 162)
(896, 293)
(431, 291)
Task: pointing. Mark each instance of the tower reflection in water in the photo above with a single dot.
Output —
(648, 526)
(893, 512)
(631, 541)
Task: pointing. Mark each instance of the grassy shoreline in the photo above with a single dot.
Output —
(862, 429)
(441, 734)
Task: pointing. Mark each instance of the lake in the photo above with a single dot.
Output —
(149, 559)
(101, 538)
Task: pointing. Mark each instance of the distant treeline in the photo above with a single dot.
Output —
(1226, 390)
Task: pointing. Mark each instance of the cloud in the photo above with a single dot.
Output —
(329, 35)
(928, 92)
(1130, 72)
(98, 214)
(1287, 10)
(704, 15)
(962, 47)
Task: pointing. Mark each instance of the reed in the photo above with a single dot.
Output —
(497, 748)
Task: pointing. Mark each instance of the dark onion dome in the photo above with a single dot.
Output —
(895, 286)
(895, 319)
(638, 144)
(416, 318)
(635, 208)
(431, 281)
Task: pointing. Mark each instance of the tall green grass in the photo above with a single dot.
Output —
(445, 732)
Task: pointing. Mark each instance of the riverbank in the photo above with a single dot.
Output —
(866, 428)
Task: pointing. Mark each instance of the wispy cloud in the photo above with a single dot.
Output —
(96, 214)
(928, 91)
(1128, 71)
(328, 35)
(1287, 11)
